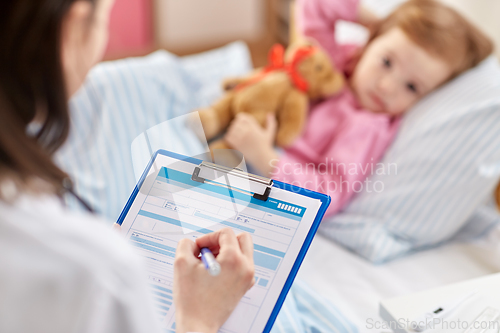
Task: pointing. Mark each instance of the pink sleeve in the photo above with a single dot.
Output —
(342, 170)
(316, 19)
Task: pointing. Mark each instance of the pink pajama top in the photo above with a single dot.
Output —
(342, 142)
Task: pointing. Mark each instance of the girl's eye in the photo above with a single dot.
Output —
(411, 87)
(387, 62)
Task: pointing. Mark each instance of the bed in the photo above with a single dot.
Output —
(98, 154)
(356, 286)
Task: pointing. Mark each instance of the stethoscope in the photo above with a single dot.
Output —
(68, 188)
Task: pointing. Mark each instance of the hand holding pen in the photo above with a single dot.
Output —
(208, 258)
(204, 301)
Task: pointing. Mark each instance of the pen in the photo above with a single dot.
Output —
(211, 264)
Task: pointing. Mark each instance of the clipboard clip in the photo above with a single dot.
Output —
(260, 186)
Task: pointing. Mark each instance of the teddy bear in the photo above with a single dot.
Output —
(284, 88)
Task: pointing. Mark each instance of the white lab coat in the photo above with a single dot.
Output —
(61, 272)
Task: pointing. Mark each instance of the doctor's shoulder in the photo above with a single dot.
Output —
(61, 267)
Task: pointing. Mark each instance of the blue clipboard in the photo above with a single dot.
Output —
(325, 202)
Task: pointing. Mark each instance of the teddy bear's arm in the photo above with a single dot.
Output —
(291, 118)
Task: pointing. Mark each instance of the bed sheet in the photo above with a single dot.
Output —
(356, 286)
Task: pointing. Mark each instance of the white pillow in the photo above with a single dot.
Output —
(122, 99)
(447, 155)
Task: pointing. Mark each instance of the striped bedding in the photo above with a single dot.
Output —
(122, 99)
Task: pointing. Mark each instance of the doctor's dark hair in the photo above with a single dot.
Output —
(32, 85)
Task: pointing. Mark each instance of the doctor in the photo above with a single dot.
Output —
(59, 271)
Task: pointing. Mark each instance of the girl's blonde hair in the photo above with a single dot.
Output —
(441, 31)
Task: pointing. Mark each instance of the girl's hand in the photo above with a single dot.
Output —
(204, 302)
(255, 143)
(367, 18)
(246, 135)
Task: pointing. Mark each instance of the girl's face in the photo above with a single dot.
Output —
(84, 39)
(393, 73)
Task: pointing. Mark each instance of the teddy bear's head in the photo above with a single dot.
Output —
(322, 78)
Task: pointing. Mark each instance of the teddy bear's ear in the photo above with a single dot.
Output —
(300, 42)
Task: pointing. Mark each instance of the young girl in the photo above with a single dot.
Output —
(420, 46)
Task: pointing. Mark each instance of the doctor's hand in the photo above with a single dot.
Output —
(204, 302)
